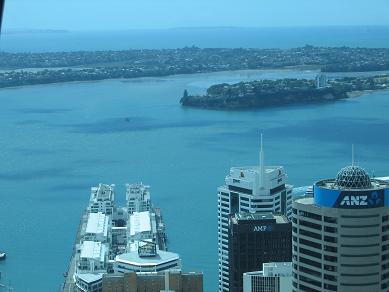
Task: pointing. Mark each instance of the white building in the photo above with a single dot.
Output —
(141, 226)
(91, 264)
(102, 199)
(341, 235)
(133, 262)
(93, 257)
(252, 189)
(321, 81)
(138, 198)
(89, 282)
(274, 277)
(97, 227)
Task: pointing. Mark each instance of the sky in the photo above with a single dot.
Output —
(161, 14)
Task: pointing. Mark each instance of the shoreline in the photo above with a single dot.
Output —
(299, 68)
(245, 71)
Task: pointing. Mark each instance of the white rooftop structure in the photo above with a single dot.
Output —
(102, 199)
(260, 181)
(92, 258)
(140, 222)
(88, 282)
(97, 227)
(163, 261)
(93, 250)
(138, 198)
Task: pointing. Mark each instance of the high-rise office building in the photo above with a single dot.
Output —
(341, 235)
(255, 239)
(274, 277)
(253, 189)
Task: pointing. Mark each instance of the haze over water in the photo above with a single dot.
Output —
(59, 140)
(227, 37)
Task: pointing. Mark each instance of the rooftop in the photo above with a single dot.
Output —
(353, 178)
(97, 224)
(375, 184)
(244, 216)
(90, 278)
(133, 258)
(256, 168)
(140, 222)
(93, 250)
(102, 192)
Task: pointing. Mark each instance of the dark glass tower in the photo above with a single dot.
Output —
(255, 239)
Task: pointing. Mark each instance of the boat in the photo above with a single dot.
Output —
(2, 255)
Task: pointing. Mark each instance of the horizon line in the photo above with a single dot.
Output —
(64, 30)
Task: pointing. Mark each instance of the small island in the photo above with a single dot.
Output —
(282, 92)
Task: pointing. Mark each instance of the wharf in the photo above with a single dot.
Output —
(69, 285)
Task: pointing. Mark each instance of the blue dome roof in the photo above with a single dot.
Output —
(352, 177)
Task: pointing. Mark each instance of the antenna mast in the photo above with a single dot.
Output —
(352, 155)
(261, 165)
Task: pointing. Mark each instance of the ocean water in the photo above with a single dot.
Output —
(283, 37)
(58, 140)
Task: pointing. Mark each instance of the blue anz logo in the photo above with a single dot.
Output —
(374, 199)
(360, 199)
(354, 201)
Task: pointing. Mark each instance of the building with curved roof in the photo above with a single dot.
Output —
(341, 235)
(136, 262)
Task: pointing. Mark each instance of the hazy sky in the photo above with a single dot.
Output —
(132, 14)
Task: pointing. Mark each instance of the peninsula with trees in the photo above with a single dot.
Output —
(18, 69)
(282, 92)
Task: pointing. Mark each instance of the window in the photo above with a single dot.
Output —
(310, 215)
(330, 220)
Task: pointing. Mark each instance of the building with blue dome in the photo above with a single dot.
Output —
(341, 234)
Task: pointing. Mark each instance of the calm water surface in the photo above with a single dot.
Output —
(227, 37)
(59, 140)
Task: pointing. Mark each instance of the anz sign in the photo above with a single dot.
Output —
(360, 199)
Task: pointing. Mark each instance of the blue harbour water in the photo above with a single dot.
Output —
(58, 140)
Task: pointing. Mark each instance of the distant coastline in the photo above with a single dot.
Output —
(101, 65)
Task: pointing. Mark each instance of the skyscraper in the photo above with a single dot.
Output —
(341, 235)
(253, 189)
(255, 239)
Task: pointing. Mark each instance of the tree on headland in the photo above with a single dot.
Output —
(185, 93)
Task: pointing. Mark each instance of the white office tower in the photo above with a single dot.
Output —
(138, 198)
(274, 277)
(253, 189)
(102, 199)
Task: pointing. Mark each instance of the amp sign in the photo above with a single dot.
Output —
(262, 228)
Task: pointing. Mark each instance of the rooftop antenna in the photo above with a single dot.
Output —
(261, 164)
(352, 154)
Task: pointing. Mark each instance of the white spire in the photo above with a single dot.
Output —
(261, 165)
